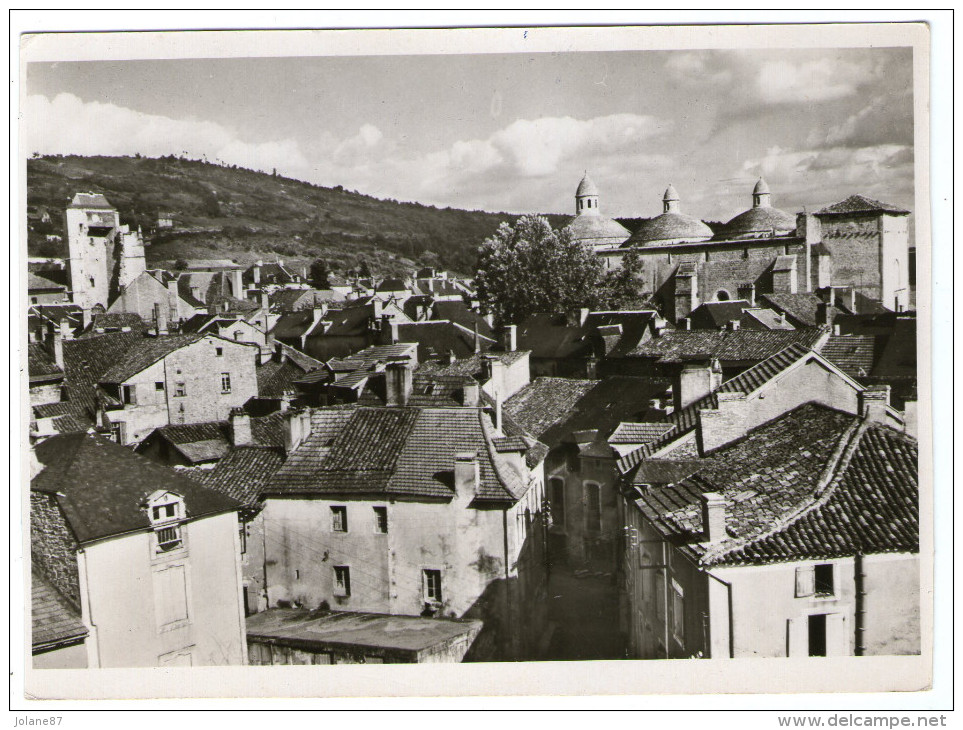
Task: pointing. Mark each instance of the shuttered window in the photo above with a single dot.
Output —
(170, 595)
(805, 581)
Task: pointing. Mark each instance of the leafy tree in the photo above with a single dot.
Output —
(318, 274)
(529, 267)
(180, 265)
(624, 287)
(364, 271)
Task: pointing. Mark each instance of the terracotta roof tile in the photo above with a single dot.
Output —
(54, 619)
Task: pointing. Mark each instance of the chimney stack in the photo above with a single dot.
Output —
(60, 334)
(467, 476)
(471, 394)
(399, 381)
(748, 292)
(583, 314)
(695, 380)
(297, 427)
(160, 319)
(256, 272)
(265, 300)
(825, 313)
(240, 423)
(477, 340)
(713, 517)
(733, 325)
(287, 398)
(510, 338)
(873, 402)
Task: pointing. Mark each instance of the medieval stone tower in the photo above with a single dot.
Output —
(104, 256)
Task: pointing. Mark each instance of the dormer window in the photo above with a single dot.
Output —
(165, 510)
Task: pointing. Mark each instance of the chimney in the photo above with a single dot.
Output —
(747, 292)
(377, 308)
(58, 342)
(399, 381)
(471, 392)
(498, 414)
(477, 341)
(467, 476)
(297, 427)
(265, 300)
(713, 517)
(510, 337)
(873, 402)
(160, 319)
(287, 398)
(240, 428)
(852, 300)
(687, 322)
(237, 285)
(583, 314)
(733, 325)
(825, 313)
(695, 380)
(730, 420)
(257, 272)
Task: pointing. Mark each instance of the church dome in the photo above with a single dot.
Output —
(761, 219)
(673, 226)
(586, 187)
(597, 230)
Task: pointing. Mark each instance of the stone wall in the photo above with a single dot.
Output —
(53, 548)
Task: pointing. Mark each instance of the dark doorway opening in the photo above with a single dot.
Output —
(817, 635)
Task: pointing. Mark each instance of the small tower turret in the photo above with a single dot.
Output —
(670, 201)
(587, 197)
(760, 195)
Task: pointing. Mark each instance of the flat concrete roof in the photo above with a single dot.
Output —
(328, 629)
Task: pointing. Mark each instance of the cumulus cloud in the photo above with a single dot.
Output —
(68, 125)
(882, 171)
(699, 67)
(886, 119)
(824, 79)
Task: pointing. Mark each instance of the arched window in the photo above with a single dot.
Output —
(723, 296)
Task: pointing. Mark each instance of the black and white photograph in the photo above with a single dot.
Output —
(560, 347)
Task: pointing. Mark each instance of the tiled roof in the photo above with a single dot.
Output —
(436, 338)
(101, 486)
(552, 336)
(552, 408)
(391, 285)
(392, 451)
(461, 313)
(86, 359)
(43, 280)
(470, 366)
(67, 417)
(90, 200)
(685, 419)
(372, 355)
(738, 345)
(275, 378)
(639, 433)
(717, 314)
(243, 472)
(54, 620)
(664, 472)
(766, 317)
(211, 440)
(145, 353)
(799, 308)
(814, 483)
(860, 204)
(549, 336)
(855, 355)
(115, 321)
(40, 364)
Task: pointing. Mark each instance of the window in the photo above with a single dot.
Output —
(238, 334)
(128, 394)
(225, 382)
(593, 507)
(219, 352)
(823, 583)
(557, 500)
(159, 386)
(170, 595)
(381, 520)
(678, 614)
(180, 390)
(432, 581)
(722, 296)
(92, 278)
(33, 300)
(342, 580)
(117, 432)
(168, 538)
(339, 519)
(164, 512)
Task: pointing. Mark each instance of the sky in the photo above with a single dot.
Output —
(511, 132)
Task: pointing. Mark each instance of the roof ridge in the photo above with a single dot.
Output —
(825, 488)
